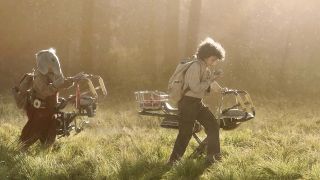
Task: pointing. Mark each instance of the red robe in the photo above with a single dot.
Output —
(41, 124)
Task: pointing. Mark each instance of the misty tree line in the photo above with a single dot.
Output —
(272, 46)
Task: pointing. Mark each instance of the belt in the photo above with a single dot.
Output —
(37, 102)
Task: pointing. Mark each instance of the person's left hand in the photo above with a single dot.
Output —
(215, 87)
(79, 76)
(224, 89)
(68, 82)
(217, 73)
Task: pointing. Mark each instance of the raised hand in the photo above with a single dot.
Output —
(79, 76)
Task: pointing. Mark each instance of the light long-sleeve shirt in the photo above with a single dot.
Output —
(197, 80)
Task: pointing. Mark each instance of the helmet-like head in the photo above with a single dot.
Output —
(48, 61)
(48, 64)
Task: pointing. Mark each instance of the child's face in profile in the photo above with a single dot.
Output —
(211, 61)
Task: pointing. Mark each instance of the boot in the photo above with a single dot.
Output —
(211, 159)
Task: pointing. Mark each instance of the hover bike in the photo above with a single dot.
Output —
(156, 104)
(84, 105)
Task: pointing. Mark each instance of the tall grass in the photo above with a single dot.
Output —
(282, 142)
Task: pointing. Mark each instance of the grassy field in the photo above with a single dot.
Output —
(282, 142)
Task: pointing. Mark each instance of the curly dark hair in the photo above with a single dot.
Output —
(209, 47)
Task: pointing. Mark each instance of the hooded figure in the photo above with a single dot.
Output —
(48, 80)
(48, 67)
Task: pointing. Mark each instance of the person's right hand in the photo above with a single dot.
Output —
(79, 76)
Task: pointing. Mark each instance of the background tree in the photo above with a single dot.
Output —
(86, 43)
(193, 27)
(137, 44)
(171, 39)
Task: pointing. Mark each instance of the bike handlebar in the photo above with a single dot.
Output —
(233, 91)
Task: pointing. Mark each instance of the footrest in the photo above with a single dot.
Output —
(170, 122)
(156, 113)
(229, 123)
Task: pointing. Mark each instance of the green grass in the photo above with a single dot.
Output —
(282, 142)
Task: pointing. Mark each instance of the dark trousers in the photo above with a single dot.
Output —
(40, 126)
(192, 109)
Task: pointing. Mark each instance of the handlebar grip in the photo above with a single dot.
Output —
(229, 92)
(233, 91)
(241, 92)
(217, 72)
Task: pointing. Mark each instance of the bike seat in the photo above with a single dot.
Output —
(233, 113)
(168, 107)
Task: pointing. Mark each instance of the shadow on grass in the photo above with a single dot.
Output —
(143, 168)
(188, 169)
(151, 169)
(9, 156)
